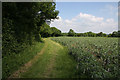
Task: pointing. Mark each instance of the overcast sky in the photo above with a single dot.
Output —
(87, 16)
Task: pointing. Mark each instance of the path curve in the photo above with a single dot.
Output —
(24, 68)
(53, 61)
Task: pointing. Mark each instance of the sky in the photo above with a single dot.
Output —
(87, 16)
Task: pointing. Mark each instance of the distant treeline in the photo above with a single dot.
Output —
(54, 32)
(91, 34)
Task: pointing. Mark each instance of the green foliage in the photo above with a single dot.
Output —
(115, 34)
(71, 33)
(55, 32)
(14, 61)
(38, 38)
(9, 42)
(45, 30)
(91, 34)
(86, 34)
(22, 23)
(64, 34)
(101, 34)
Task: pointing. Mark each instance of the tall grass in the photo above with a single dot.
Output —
(12, 62)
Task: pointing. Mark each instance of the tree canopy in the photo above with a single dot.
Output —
(55, 31)
(71, 33)
(23, 23)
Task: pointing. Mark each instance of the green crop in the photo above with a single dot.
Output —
(96, 57)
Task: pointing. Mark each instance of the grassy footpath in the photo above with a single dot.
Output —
(13, 62)
(53, 63)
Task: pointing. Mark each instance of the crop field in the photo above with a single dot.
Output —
(96, 57)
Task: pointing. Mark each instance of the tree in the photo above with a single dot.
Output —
(45, 30)
(21, 25)
(55, 32)
(100, 34)
(109, 35)
(64, 34)
(114, 34)
(78, 34)
(91, 34)
(71, 33)
(22, 21)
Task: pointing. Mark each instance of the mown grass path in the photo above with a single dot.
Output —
(52, 62)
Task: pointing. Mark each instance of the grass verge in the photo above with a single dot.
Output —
(65, 65)
(55, 62)
(13, 62)
(38, 68)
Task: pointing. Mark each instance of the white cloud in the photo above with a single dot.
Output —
(90, 17)
(110, 20)
(68, 21)
(85, 22)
